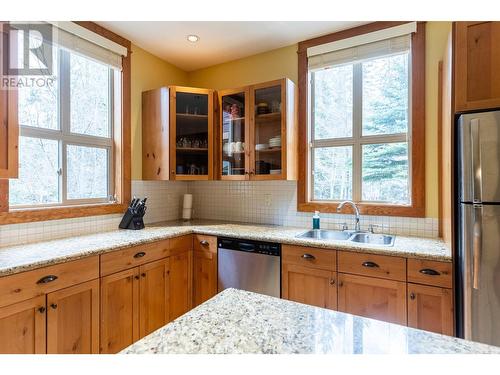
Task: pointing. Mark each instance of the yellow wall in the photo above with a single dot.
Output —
(148, 72)
(151, 72)
(267, 66)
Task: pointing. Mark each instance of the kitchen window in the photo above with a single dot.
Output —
(363, 114)
(65, 144)
(73, 129)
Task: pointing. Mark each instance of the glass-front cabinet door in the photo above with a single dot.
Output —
(191, 127)
(234, 154)
(268, 124)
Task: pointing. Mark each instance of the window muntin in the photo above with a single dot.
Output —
(77, 111)
(380, 131)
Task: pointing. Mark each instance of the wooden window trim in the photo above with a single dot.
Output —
(417, 207)
(122, 158)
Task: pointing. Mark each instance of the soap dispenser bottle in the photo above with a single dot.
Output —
(316, 220)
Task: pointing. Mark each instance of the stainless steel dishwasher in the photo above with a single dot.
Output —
(249, 265)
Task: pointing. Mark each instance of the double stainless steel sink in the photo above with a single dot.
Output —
(353, 236)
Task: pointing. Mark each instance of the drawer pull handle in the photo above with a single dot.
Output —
(429, 272)
(308, 256)
(139, 255)
(53, 305)
(370, 265)
(204, 243)
(47, 279)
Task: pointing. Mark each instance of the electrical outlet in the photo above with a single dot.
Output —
(267, 200)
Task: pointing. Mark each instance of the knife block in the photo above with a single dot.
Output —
(132, 220)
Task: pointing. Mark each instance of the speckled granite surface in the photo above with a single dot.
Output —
(236, 321)
(20, 258)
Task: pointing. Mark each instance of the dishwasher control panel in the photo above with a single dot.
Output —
(257, 247)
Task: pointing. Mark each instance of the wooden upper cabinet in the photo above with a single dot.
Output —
(258, 133)
(119, 310)
(178, 133)
(477, 65)
(155, 134)
(73, 319)
(430, 308)
(153, 296)
(9, 128)
(308, 285)
(22, 327)
(372, 298)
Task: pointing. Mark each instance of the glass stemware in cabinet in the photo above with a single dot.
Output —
(268, 130)
(233, 135)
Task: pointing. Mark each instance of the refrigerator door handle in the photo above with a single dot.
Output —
(476, 161)
(477, 244)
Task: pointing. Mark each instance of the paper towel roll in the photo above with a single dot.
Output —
(187, 213)
(188, 201)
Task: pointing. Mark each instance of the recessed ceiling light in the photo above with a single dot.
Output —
(193, 38)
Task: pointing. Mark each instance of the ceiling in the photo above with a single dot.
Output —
(219, 41)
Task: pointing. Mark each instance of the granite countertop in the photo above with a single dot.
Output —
(236, 321)
(20, 258)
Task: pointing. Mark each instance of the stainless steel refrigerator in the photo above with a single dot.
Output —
(479, 227)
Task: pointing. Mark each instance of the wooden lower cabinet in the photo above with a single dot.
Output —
(430, 308)
(73, 319)
(309, 285)
(204, 276)
(372, 297)
(22, 327)
(119, 310)
(180, 283)
(154, 290)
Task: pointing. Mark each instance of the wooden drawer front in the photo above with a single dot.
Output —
(38, 282)
(386, 267)
(133, 256)
(309, 257)
(205, 243)
(181, 244)
(430, 272)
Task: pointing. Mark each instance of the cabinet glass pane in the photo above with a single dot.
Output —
(233, 134)
(268, 131)
(191, 134)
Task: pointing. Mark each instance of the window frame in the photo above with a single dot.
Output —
(416, 134)
(120, 156)
(357, 140)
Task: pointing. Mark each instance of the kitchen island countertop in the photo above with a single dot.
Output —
(236, 321)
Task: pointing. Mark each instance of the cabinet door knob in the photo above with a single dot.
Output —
(41, 310)
(143, 274)
(47, 279)
(370, 264)
(53, 305)
(158, 171)
(204, 242)
(136, 277)
(412, 295)
(429, 272)
(341, 284)
(140, 254)
(308, 256)
(332, 281)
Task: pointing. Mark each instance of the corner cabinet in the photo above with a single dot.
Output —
(178, 133)
(258, 132)
(477, 61)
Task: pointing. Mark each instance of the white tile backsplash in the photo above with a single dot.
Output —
(266, 202)
(164, 203)
(275, 202)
